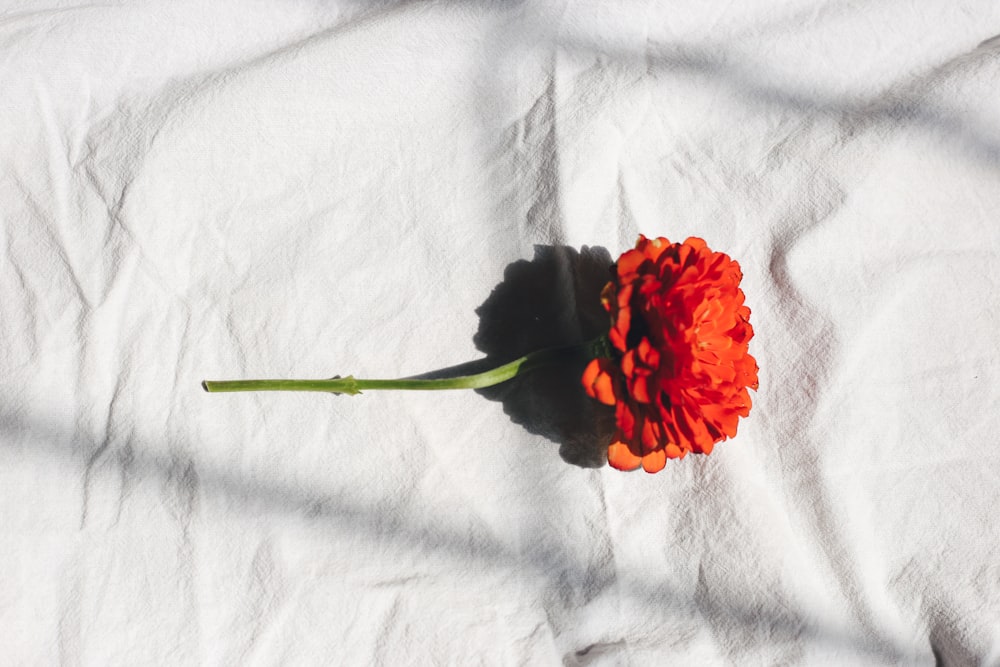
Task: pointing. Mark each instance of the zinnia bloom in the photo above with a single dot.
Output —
(679, 370)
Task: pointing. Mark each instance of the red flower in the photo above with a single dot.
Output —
(680, 369)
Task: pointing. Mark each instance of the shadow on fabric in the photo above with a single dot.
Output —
(182, 480)
(551, 300)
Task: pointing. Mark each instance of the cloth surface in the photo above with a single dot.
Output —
(222, 190)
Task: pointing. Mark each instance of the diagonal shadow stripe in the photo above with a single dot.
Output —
(35, 436)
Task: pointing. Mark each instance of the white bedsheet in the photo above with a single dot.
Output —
(213, 190)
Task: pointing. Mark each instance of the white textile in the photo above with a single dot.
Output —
(219, 190)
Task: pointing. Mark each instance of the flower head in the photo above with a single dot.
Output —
(679, 370)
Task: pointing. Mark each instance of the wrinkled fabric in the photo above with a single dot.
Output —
(194, 191)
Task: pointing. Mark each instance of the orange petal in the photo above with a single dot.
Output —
(617, 339)
(640, 388)
(654, 461)
(624, 296)
(629, 262)
(622, 324)
(621, 457)
(695, 242)
(648, 354)
(628, 363)
(654, 248)
(673, 451)
(625, 419)
(590, 374)
(650, 436)
(604, 389)
(607, 294)
(597, 381)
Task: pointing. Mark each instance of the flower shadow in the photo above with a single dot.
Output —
(551, 300)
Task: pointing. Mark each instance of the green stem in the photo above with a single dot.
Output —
(351, 385)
